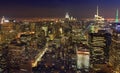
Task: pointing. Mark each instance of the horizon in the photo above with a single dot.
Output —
(58, 8)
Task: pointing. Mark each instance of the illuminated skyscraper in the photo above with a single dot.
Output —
(115, 49)
(99, 48)
(117, 16)
(67, 16)
(98, 19)
(3, 20)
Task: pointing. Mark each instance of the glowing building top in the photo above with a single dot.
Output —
(67, 16)
(3, 20)
(98, 18)
(117, 16)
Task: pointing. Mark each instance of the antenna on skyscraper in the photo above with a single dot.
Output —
(97, 10)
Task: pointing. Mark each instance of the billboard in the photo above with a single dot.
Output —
(118, 27)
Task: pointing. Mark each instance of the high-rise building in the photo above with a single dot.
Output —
(4, 20)
(7, 29)
(67, 16)
(98, 19)
(99, 48)
(17, 60)
(117, 16)
(115, 50)
(3, 59)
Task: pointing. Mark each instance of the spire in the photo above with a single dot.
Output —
(97, 11)
(117, 19)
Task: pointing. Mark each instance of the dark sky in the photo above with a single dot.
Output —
(58, 8)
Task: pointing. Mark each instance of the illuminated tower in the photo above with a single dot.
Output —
(67, 16)
(117, 16)
(98, 19)
(2, 20)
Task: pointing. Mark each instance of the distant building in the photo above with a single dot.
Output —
(67, 16)
(7, 29)
(3, 20)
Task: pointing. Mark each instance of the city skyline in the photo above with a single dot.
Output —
(59, 36)
(58, 8)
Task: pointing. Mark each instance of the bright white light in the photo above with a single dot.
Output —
(6, 21)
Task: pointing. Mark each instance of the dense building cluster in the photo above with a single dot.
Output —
(59, 46)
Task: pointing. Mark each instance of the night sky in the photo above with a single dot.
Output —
(58, 8)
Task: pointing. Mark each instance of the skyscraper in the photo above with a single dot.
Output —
(115, 51)
(98, 19)
(67, 16)
(99, 49)
(117, 16)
